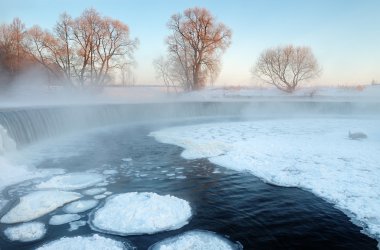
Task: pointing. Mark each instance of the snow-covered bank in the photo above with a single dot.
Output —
(314, 154)
(60, 96)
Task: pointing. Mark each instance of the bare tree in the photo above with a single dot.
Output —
(12, 38)
(164, 70)
(286, 67)
(195, 47)
(85, 50)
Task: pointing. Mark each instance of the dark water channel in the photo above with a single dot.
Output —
(236, 204)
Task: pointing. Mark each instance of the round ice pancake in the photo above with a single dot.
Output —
(196, 240)
(94, 242)
(26, 232)
(140, 213)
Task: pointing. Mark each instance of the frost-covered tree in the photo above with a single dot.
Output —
(287, 67)
(195, 46)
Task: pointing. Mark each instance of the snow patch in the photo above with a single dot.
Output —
(63, 219)
(140, 213)
(94, 242)
(196, 239)
(72, 181)
(37, 204)
(26, 232)
(80, 206)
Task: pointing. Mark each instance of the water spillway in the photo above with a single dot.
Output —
(26, 125)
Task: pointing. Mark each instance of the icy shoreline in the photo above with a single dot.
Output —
(313, 154)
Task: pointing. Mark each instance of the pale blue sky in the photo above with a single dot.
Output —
(344, 34)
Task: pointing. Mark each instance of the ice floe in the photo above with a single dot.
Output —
(80, 206)
(72, 181)
(76, 224)
(110, 172)
(314, 154)
(196, 239)
(26, 232)
(94, 191)
(61, 219)
(100, 196)
(37, 204)
(140, 213)
(94, 242)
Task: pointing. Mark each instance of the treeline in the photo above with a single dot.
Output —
(91, 50)
(82, 51)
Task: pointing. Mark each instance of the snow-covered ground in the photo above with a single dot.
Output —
(196, 239)
(141, 213)
(147, 94)
(314, 154)
(94, 242)
(26, 232)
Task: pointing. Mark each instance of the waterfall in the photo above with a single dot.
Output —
(27, 125)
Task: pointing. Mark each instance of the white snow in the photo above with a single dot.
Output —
(94, 242)
(37, 204)
(76, 224)
(94, 191)
(61, 219)
(72, 181)
(196, 240)
(141, 213)
(26, 232)
(314, 154)
(80, 206)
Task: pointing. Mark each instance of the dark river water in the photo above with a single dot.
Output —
(235, 204)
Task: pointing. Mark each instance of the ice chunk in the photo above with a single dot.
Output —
(76, 224)
(196, 239)
(26, 232)
(80, 206)
(127, 159)
(100, 196)
(37, 204)
(140, 213)
(72, 181)
(94, 242)
(110, 172)
(94, 191)
(63, 219)
(313, 154)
